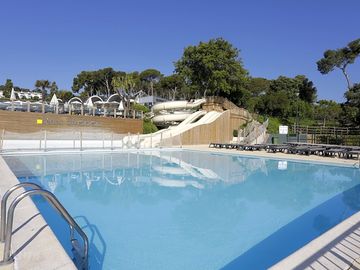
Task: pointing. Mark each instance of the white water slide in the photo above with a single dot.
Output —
(193, 120)
(174, 111)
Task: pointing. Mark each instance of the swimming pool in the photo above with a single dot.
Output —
(179, 209)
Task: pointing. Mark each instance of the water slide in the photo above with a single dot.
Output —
(195, 119)
(174, 111)
(178, 105)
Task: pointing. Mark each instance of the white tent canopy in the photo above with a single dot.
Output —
(89, 103)
(12, 95)
(121, 106)
(54, 101)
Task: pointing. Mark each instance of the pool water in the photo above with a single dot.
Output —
(178, 209)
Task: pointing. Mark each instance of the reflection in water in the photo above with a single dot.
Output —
(172, 169)
(222, 206)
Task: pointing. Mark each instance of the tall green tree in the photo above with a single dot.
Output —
(53, 88)
(64, 95)
(7, 87)
(213, 67)
(352, 105)
(328, 112)
(85, 81)
(258, 86)
(172, 85)
(340, 58)
(150, 77)
(97, 82)
(44, 85)
(307, 90)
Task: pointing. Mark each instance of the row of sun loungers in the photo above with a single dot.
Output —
(296, 148)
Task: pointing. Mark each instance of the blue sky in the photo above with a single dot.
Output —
(55, 40)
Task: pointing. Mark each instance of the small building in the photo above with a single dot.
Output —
(149, 101)
(1, 94)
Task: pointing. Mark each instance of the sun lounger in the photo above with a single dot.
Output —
(277, 148)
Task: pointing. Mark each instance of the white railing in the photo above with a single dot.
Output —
(46, 140)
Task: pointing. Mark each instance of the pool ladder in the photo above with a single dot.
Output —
(6, 223)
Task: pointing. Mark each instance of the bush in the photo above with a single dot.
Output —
(273, 127)
(149, 127)
(140, 107)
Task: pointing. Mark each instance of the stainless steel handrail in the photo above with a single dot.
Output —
(58, 206)
(4, 202)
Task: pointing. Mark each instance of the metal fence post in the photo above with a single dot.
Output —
(81, 140)
(138, 140)
(2, 139)
(161, 138)
(40, 143)
(103, 140)
(74, 139)
(45, 140)
(129, 140)
(112, 140)
(151, 135)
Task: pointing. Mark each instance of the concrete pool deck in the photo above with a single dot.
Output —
(33, 242)
(279, 156)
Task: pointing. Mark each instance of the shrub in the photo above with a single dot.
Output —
(149, 127)
(140, 107)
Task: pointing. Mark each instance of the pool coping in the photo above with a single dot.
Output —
(33, 240)
(317, 248)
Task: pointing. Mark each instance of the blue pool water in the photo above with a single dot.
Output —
(177, 209)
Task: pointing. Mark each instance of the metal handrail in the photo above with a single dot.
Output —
(58, 206)
(4, 202)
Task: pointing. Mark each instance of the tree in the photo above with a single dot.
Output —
(86, 81)
(97, 82)
(258, 86)
(340, 58)
(288, 86)
(44, 85)
(213, 67)
(352, 106)
(172, 84)
(150, 77)
(64, 95)
(327, 111)
(7, 87)
(126, 83)
(104, 76)
(53, 88)
(307, 90)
